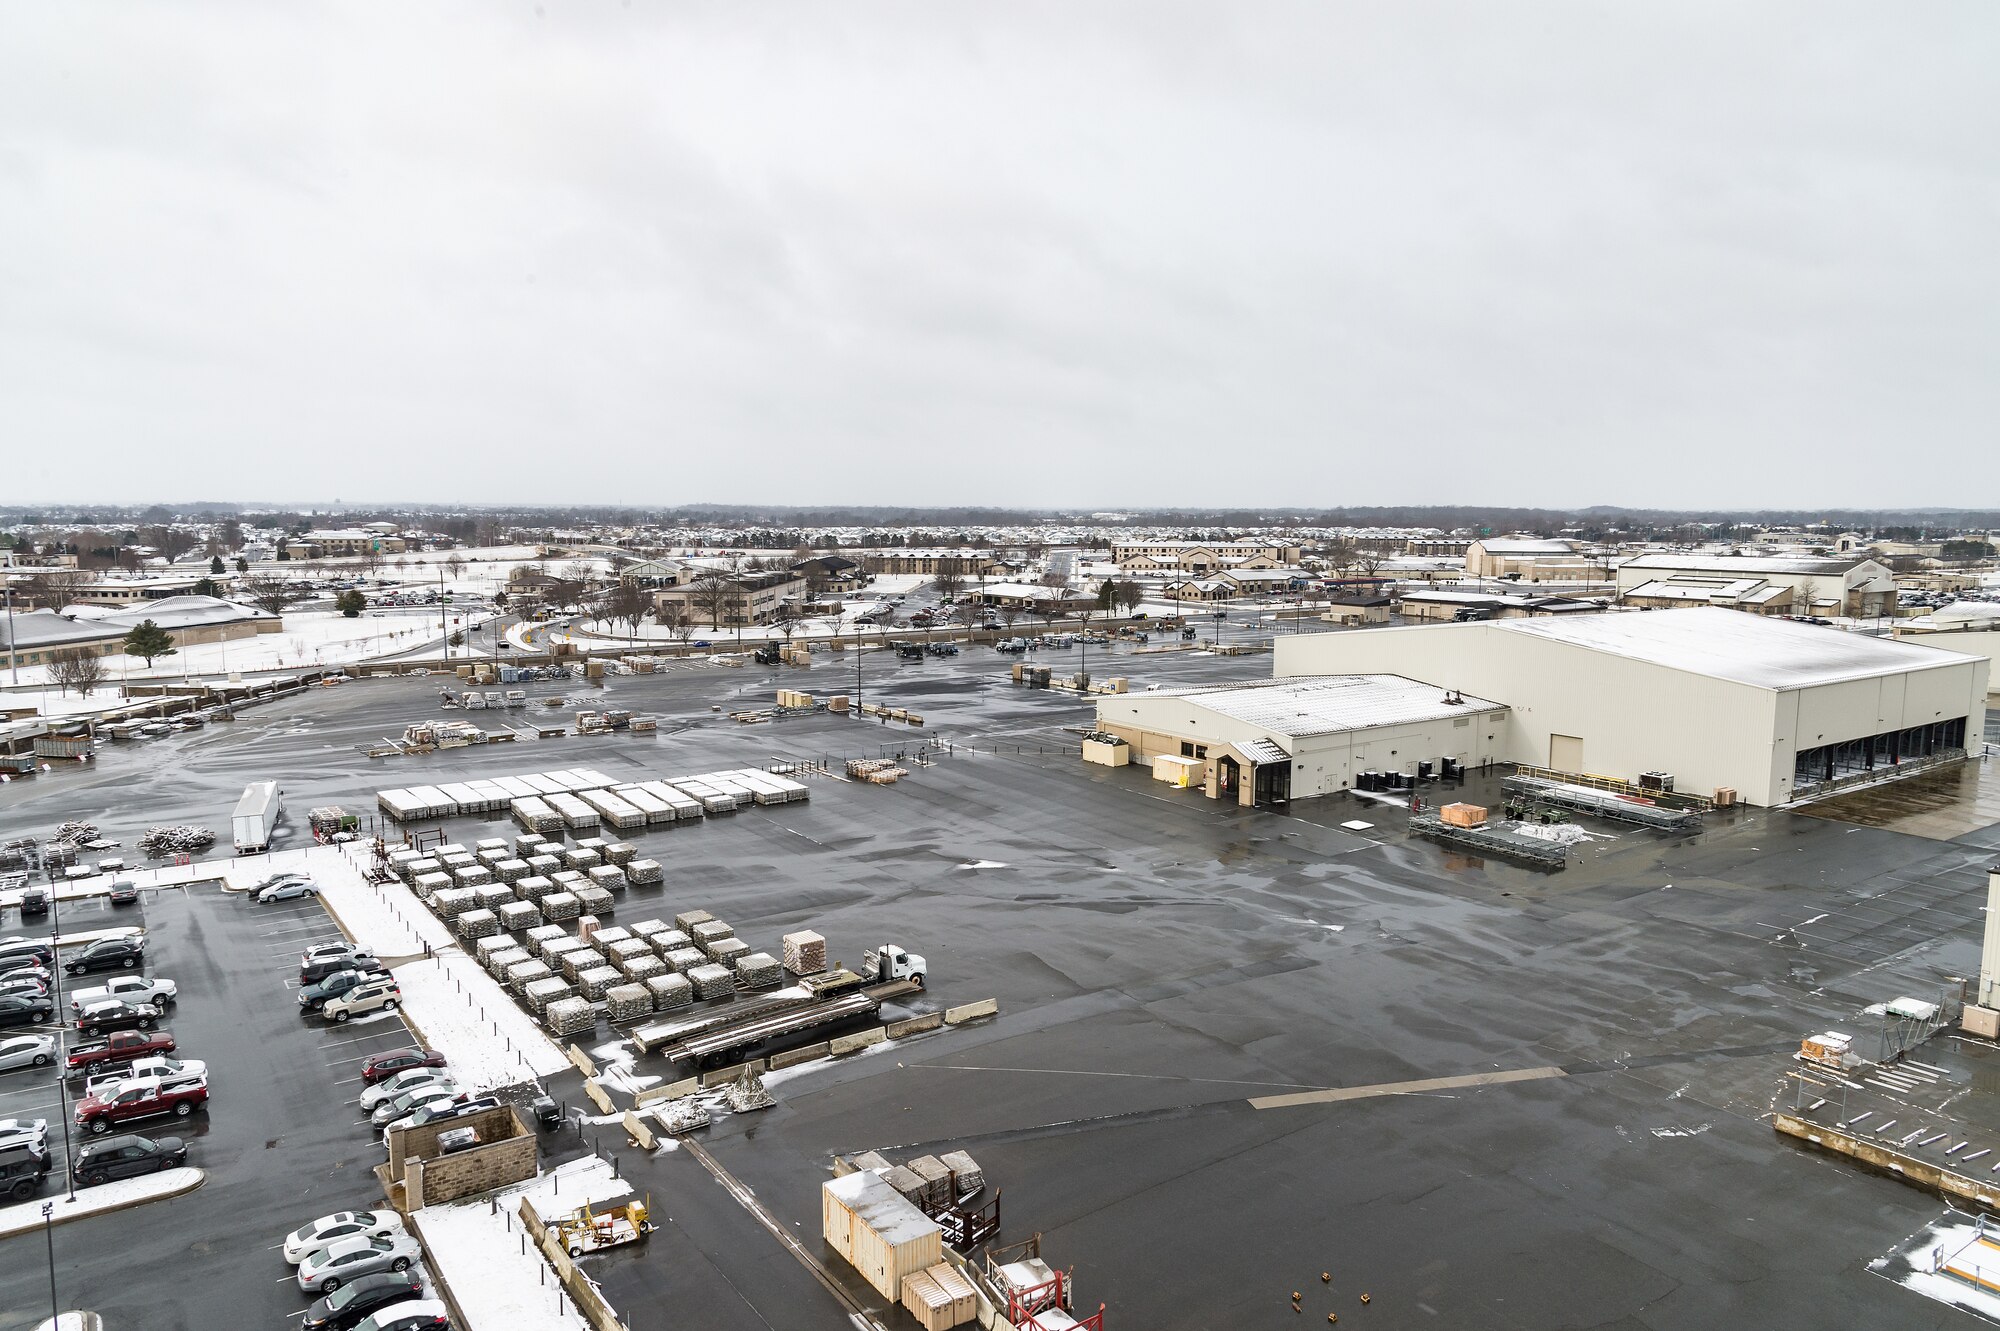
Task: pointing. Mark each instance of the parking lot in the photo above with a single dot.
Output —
(1162, 962)
(279, 1139)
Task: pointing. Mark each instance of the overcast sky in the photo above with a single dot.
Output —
(1324, 253)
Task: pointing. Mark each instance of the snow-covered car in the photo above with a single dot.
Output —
(330, 1268)
(133, 989)
(416, 1079)
(339, 1227)
(31, 1132)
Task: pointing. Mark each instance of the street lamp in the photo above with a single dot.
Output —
(62, 1084)
(49, 1232)
(1216, 641)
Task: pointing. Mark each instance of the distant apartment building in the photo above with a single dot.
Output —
(1202, 557)
(726, 599)
(930, 563)
(1521, 557)
(344, 543)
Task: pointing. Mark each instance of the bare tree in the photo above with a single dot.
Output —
(626, 604)
(715, 594)
(271, 594)
(948, 580)
(677, 622)
(1131, 595)
(57, 588)
(1368, 561)
(1341, 554)
(1008, 614)
(169, 540)
(76, 667)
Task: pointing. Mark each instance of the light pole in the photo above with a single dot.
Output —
(49, 1232)
(13, 655)
(62, 1081)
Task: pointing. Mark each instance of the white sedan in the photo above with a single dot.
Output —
(330, 1268)
(339, 1227)
(414, 1079)
(27, 1051)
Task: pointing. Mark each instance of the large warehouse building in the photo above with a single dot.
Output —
(1770, 709)
(1266, 742)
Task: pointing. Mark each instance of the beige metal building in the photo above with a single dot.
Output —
(1265, 742)
(1769, 708)
(1843, 585)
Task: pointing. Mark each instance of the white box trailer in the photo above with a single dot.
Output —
(256, 817)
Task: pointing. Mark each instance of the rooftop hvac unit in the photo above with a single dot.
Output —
(1661, 781)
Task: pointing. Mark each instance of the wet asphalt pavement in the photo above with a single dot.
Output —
(1160, 962)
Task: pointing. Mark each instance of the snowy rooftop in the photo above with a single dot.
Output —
(1513, 545)
(1730, 644)
(880, 1207)
(1327, 704)
(1755, 564)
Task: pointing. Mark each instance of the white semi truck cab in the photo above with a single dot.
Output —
(890, 962)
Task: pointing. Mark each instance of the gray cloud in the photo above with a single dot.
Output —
(1029, 254)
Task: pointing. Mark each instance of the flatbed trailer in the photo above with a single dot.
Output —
(660, 1035)
(713, 1045)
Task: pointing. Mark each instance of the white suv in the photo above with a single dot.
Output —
(368, 996)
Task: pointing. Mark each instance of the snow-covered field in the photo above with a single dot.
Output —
(475, 1248)
(465, 1013)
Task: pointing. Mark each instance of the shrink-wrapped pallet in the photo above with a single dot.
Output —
(597, 981)
(684, 959)
(498, 963)
(627, 1002)
(669, 991)
(561, 906)
(538, 994)
(609, 877)
(570, 1016)
(727, 951)
(595, 900)
(805, 953)
(711, 981)
(620, 852)
(646, 929)
(625, 951)
(643, 871)
(688, 919)
(579, 960)
(517, 915)
(707, 933)
(758, 970)
(644, 968)
(524, 973)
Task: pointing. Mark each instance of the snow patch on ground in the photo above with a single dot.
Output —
(1676, 1131)
(464, 1013)
(386, 918)
(1910, 1264)
(985, 864)
(475, 1248)
(24, 1216)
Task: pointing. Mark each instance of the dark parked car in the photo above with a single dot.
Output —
(113, 1014)
(124, 892)
(35, 901)
(22, 1170)
(111, 1158)
(316, 971)
(16, 1010)
(108, 954)
(312, 996)
(25, 952)
(353, 1303)
(385, 1065)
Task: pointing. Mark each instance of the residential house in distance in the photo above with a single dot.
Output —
(1201, 558)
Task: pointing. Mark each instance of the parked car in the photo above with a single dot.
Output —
(22, 1171)
(144, 1069)
(359, 1299)
(27, 987)
(331, 952)
(277, 880)
(18, 1010)
(111, 1158)
(396, 1112)
(402, 1083)
(124, 892)
(155, 1097)
(32, 1133)
(373, 995)
(458, 1107)
(312, 996)
(18, 951)
(117, 1049)
(380, 1067)
(288, 891)
(114, 1015)
(330, 1268)
(328, 1230)
(27, 1051)
(314, 972)
(417, 1315)
(108, 954)
(27, 971)
(130, 989)
(35, 901)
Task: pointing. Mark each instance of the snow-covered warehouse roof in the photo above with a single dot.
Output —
(1327, 704)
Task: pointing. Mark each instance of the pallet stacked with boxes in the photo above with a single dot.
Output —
(805, 952)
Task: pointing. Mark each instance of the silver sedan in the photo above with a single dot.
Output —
(27, 1051)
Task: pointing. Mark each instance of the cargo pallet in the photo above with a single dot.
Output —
(1605, 804)
(1488, 840)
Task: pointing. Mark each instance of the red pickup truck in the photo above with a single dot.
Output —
(118, 1047)
(153, 1097)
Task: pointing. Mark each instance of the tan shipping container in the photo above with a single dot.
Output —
(884, 1237)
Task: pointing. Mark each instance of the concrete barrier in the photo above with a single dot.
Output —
(673, 1090)
(582, 1061)
(641, 1136)
(930, 1021)
(985, 1007)
(848, 1044)
(597, 1095)
(792, 1057)
(721, 1075)
(1913, 1170)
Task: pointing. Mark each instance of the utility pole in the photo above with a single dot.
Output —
(13, 652)
(49, 1231)
(62, 1083)
(444, 614)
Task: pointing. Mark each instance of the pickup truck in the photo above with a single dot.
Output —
(118, 1047)
(128, 988)
(156, 1098)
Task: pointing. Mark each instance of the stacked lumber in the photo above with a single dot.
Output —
(669, 992)
(644, 968)
(578, 960)
(570, 1016)
(595, 900)
(805, 953)
(728, 951)
(758, 970)
(627, 1002)
(523, 974)
(561, 906)
(643, 871)
(711, 981)
(620, 852)
(498, 962)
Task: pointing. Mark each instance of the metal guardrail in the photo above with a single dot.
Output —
(1853, 780)
(1618, 786)
(1550, 855)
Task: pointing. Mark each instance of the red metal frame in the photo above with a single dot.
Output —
(1094, 1322)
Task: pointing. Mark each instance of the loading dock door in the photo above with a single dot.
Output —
(1566, 753)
